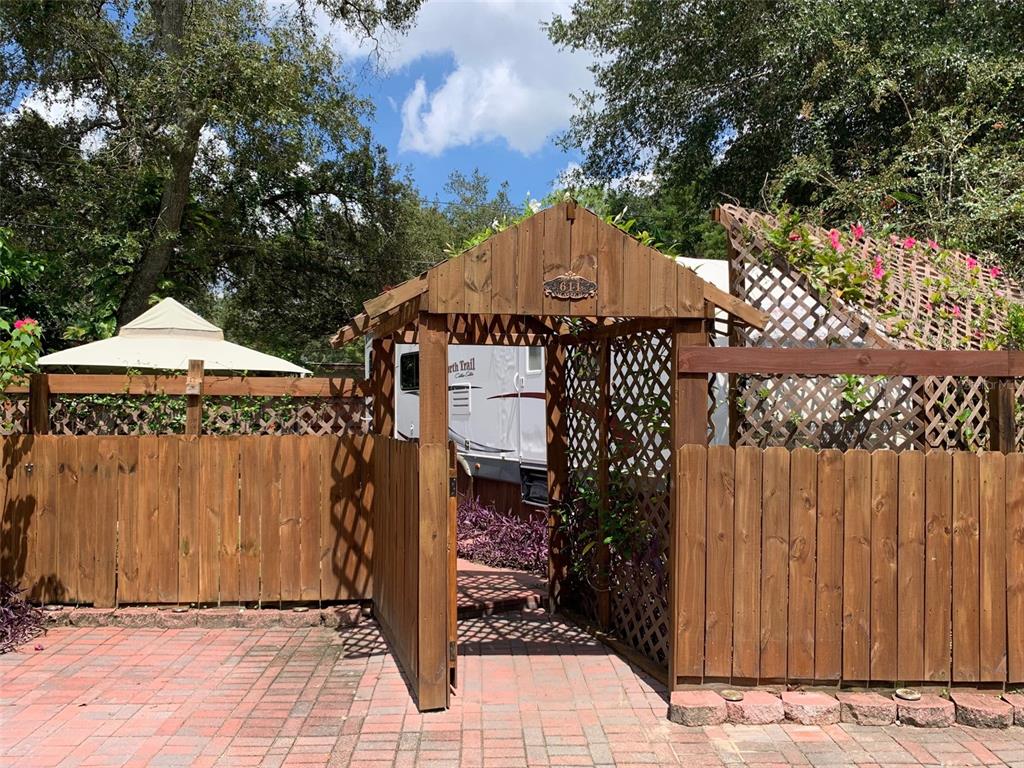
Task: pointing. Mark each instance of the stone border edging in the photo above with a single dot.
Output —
(206, 618)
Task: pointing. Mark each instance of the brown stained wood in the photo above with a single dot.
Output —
(209, 521)
(432, 619)
(610, 280)
(689, 292)
(663, 284)
(911, 567)
(309, 520)
(69, 509)
(992, 562)
(774, 564)
(382, 367)
(39, 403)
(190, 510)
(733, 306)
(862, 361)
(556, 429)
(747, 565)
(43, 588)
(721, 485)
(1015, 568)
(938, 565)
(346, 533)
(803, 510)
(477, 276)
(504, 276)
(857, 566)
(166, 556)
(636, 280)
(828, 613)
(106, 511)
(966, 553)
(270, 469)
(88, 515)
(228, 508)
(194, 398)
(146, 384)
(689, 543)
(583, 256)
(433, 394)
(885, 618)
(250, 496)
(397, 295)
(556, 256)
(1002, 409)
(138, 510)
(530, 266)
(289, 518)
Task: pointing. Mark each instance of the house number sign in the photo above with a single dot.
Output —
(570, 286)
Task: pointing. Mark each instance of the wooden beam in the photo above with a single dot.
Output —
(621, 328)
(358, 327)
(221, 386)
(687, 522)
(864, 362)
(194, 398)
(433, 594)
(398, 295)
(397, 319)
(603, 557)
(39, 403)
(1002, 423)
(734, 306)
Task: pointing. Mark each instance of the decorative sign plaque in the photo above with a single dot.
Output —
(570, 286)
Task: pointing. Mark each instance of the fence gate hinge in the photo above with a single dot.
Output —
(452, 651)
(451, 486)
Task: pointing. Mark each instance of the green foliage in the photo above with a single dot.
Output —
(903, 114)
(1015, 327)
(238, 114)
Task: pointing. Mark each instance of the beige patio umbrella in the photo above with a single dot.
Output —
(166, 337)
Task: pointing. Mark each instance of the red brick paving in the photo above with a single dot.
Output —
(534, 691)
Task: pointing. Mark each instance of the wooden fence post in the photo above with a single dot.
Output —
(604, 603)
(687, 527)
(39, 403)
(1002, 423)
(558, 468)
(194, 398)
(382, 382)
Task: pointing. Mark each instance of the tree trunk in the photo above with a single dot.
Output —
(154, 261)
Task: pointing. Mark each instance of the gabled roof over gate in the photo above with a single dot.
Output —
(524, 271)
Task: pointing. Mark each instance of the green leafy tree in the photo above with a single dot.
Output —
(212, 150)
(900, 113)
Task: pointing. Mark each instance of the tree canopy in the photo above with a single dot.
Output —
(901, 113)
(215, 150)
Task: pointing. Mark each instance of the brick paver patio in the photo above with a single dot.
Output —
(533, 691)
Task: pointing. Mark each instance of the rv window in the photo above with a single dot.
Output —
(409, 373)
(534, 359)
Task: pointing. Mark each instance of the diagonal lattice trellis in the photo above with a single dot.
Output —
(846, 411)
(141, 415)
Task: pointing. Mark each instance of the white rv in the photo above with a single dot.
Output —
(495, 411)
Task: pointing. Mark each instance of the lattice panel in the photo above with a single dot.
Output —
(640, 395)
(14, 415)
(70, 415)
(819, 412)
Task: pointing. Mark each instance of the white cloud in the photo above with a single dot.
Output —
(56, 107)
(508, 81)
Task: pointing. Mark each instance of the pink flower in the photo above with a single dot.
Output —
(833, 238)
(909, 243)
(25, 322)
(972, 263)
(794, 236)
(856, 231)
(956, 311)
(878, 272)
(893, 240)
(933, 245)
(995, 272)
(928, 306)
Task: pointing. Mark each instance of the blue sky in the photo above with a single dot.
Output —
(473, 84)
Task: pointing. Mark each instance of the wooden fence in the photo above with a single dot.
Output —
(849, 566)
(176, 519)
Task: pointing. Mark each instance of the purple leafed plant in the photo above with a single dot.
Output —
(502, 539)
(19, 621)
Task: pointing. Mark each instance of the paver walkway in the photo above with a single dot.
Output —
(534, 691)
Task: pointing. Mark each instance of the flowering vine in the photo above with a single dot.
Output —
(849, 266)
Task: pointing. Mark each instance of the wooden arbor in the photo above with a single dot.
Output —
(560, 278)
